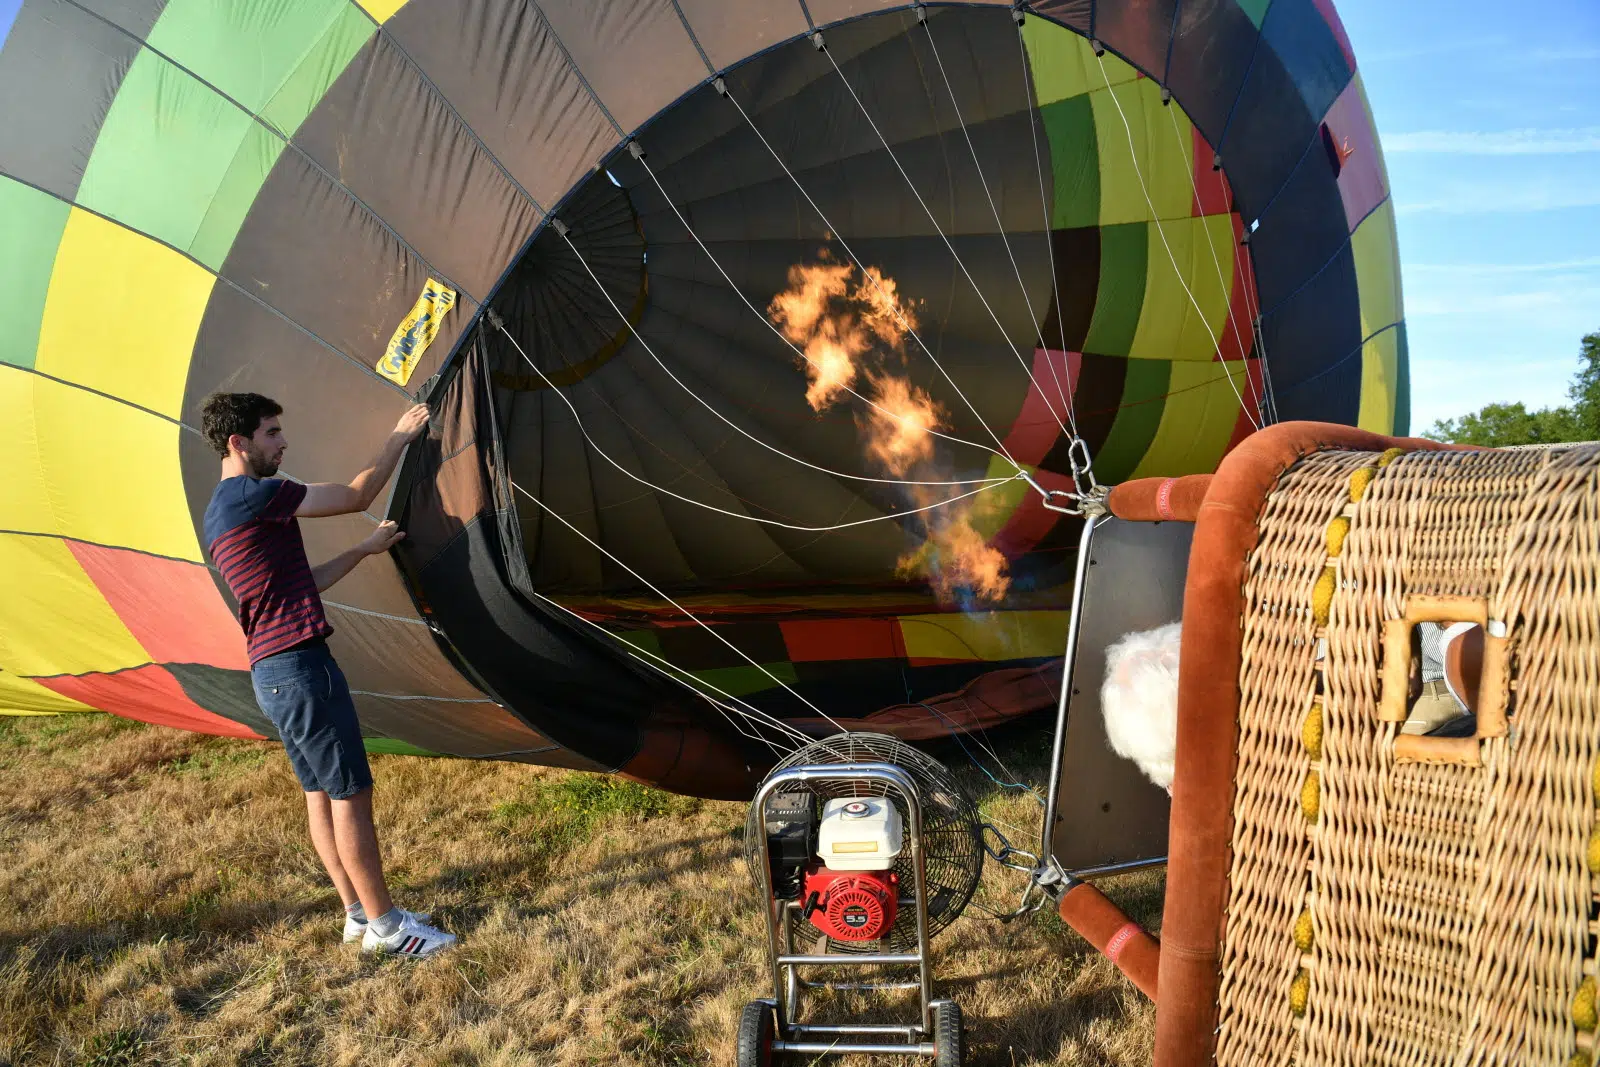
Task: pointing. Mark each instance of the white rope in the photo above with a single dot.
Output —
(1138, 171)
(1216, 260)
(683, 678)
(1049, 222)
(891, 304)
(691, 616)
(768, 323)
(1001, 229)
(603, 454)
(940, 231)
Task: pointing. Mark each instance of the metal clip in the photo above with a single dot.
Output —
(921, 13)
(1017, 13)
(559, 226)
(719, 85)
(816, 41)
(635, 150)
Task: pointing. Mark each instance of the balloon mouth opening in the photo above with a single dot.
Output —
(654, 439)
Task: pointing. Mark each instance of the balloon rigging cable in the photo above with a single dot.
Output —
(603, 454)
(960, 263)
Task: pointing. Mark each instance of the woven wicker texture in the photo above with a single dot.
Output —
(1384, 912)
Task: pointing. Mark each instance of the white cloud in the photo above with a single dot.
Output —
(1557, 266)
(1502, 198)
(1523, 142)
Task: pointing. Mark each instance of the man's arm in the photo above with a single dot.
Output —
(380, 540)
(332, 498)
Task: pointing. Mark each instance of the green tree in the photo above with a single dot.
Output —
(1497, 425)
(1584, 392)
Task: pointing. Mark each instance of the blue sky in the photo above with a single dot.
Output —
(1491, 130)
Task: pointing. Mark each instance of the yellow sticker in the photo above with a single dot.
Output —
(416, 332)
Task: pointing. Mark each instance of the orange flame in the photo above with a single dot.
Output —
(899, 429)
(838, 314)
(956, 559)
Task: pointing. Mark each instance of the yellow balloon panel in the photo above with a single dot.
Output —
(82, 466)
(24, 696)
(1171, 325)
(1064, 65)
(381, 10)
(1377, 270)
(53, 619)
(1380, 381)
(1154, 177)
(1197, 422)
(997, 635)
(122, 314)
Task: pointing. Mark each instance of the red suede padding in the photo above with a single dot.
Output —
(1208, 706)
(1103, 925)
(1159, 499)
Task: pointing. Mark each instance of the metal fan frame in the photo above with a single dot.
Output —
(952, 843)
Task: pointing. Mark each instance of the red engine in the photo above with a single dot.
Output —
(851, 905)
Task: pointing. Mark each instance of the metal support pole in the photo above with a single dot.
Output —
(1074, 626)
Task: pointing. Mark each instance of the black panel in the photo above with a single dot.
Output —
(1309, 51)
(1077, 265)
(1107, 811)
(1215, 43)
(393, 143)
(1269, 133)
(1313, 342)
(1301, 230)
(227, 693)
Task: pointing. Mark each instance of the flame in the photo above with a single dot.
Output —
(838, 314)
(956, 559)
(845, 320)
(899, 429)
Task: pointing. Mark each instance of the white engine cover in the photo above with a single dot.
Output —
(859, 834)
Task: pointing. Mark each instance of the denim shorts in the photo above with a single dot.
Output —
(304, 693)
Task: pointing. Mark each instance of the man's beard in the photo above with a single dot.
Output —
(260, 465)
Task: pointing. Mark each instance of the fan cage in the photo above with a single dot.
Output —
(952, 842)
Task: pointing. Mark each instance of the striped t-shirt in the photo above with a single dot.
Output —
(254, 539)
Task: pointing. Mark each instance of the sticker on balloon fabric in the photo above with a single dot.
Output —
(416, 332)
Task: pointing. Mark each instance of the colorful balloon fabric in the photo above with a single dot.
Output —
(740, 320)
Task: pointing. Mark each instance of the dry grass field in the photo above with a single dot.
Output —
(162, 905)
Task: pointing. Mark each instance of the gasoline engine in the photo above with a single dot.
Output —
(866, 848)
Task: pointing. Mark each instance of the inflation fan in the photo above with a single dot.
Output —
(863, 848)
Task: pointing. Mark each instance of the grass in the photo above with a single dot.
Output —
(164, 906)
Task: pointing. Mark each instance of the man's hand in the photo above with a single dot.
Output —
(385, 537)
(412, 423)
(331, 498)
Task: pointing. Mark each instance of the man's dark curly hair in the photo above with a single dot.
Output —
(225, 414)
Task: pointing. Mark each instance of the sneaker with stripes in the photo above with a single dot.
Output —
(414, 939)
(353, 928)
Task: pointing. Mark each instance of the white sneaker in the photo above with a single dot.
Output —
(353, 930)
(414, 939)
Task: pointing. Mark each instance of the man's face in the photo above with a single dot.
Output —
(263, 451)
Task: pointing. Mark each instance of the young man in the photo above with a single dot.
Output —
(252, 534)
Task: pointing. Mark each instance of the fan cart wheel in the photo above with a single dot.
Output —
(755, 1035)
(946, 1034)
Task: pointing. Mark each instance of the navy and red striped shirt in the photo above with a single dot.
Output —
(254, 539)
